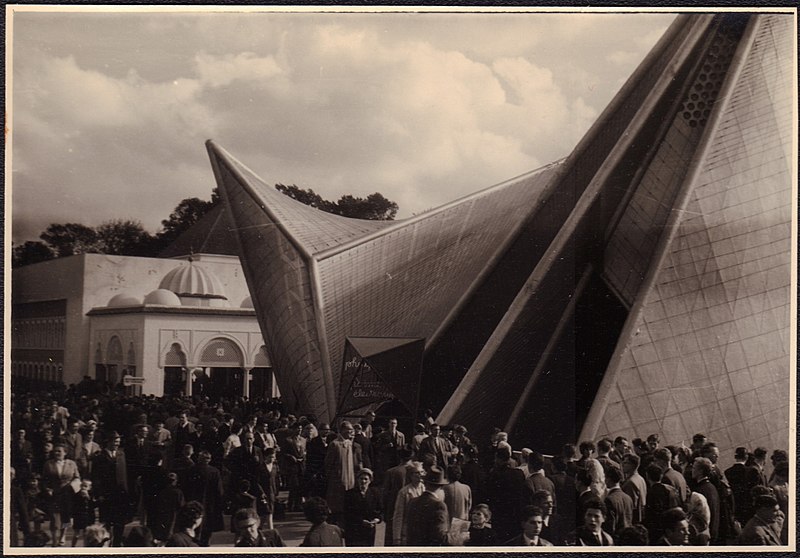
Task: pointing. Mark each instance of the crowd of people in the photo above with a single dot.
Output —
(137, 471)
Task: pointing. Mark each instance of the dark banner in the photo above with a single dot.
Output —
(376, 370)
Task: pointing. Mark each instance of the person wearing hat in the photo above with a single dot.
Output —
(780, 488)
(737, 478)
(110, 483)
(362, 511)
(765, 526)
(756, 474)
(428, 522)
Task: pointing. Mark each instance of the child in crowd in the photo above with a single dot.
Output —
(84, 505)
(480, 530)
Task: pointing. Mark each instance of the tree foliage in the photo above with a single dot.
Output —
(30, 252)
(70, 239)
(374, 207)
(124, 238)
(188, 212)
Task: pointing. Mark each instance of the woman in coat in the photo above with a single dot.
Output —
(267, 488)
(59, 475)
(362, 511)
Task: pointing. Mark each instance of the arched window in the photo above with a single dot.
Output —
(221, 352)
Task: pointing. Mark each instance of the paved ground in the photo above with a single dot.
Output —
(292, 529)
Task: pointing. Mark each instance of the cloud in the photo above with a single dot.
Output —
(422, 109)
(219, 71)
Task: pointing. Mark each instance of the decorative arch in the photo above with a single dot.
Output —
(175, 355)
(261, 358)
(114, 353)
(131, 355)
(221, 352)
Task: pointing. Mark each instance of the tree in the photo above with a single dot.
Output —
(188, 212)
(375, 207)
(308, 197)
(70, 239)
(124, 238)
(31, 252)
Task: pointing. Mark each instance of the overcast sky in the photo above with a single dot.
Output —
(111, 110)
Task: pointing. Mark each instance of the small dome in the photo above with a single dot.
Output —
(162, 297)
(193, 281)
(247, 302)
(124, 299)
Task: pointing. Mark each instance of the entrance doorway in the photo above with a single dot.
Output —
(222, 370)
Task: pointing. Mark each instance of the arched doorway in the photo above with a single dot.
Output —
(261, 380)
(222, 373)
(115, 361)
(174, 371)
(100, 374)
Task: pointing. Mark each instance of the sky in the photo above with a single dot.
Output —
(110, 111)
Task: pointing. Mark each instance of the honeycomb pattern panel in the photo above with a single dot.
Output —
(711, 347)
(634, 239)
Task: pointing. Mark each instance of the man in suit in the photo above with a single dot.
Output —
(622, 447)
(554, 527)
(504, 492)
(184, 430)
(591, 533)
(387, 447)
(342, 460)
(634, 486)
(701, 469)
(765, 526)
(457, 496)
(205, 486)
(427, 517)
(663, 458)
(245, 461)
(756, 475)
(675, 527)
(110, 485)
(737, 478)
(537, 480)
(660, 497)
(73, 442)
(618, 504)
(315, 461)
(438, 446)
(604, 448)
(393, 480)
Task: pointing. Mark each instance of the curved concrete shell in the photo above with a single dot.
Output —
(642, 285)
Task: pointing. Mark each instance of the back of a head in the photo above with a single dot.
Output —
(654, 473)
(535, 461)
(635, 535)
(316, 510)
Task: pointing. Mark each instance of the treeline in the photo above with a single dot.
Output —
(127, 237)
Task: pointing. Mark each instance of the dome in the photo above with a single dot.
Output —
(247, 302)
(162, 297)
(192, 281)
(124, 299)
